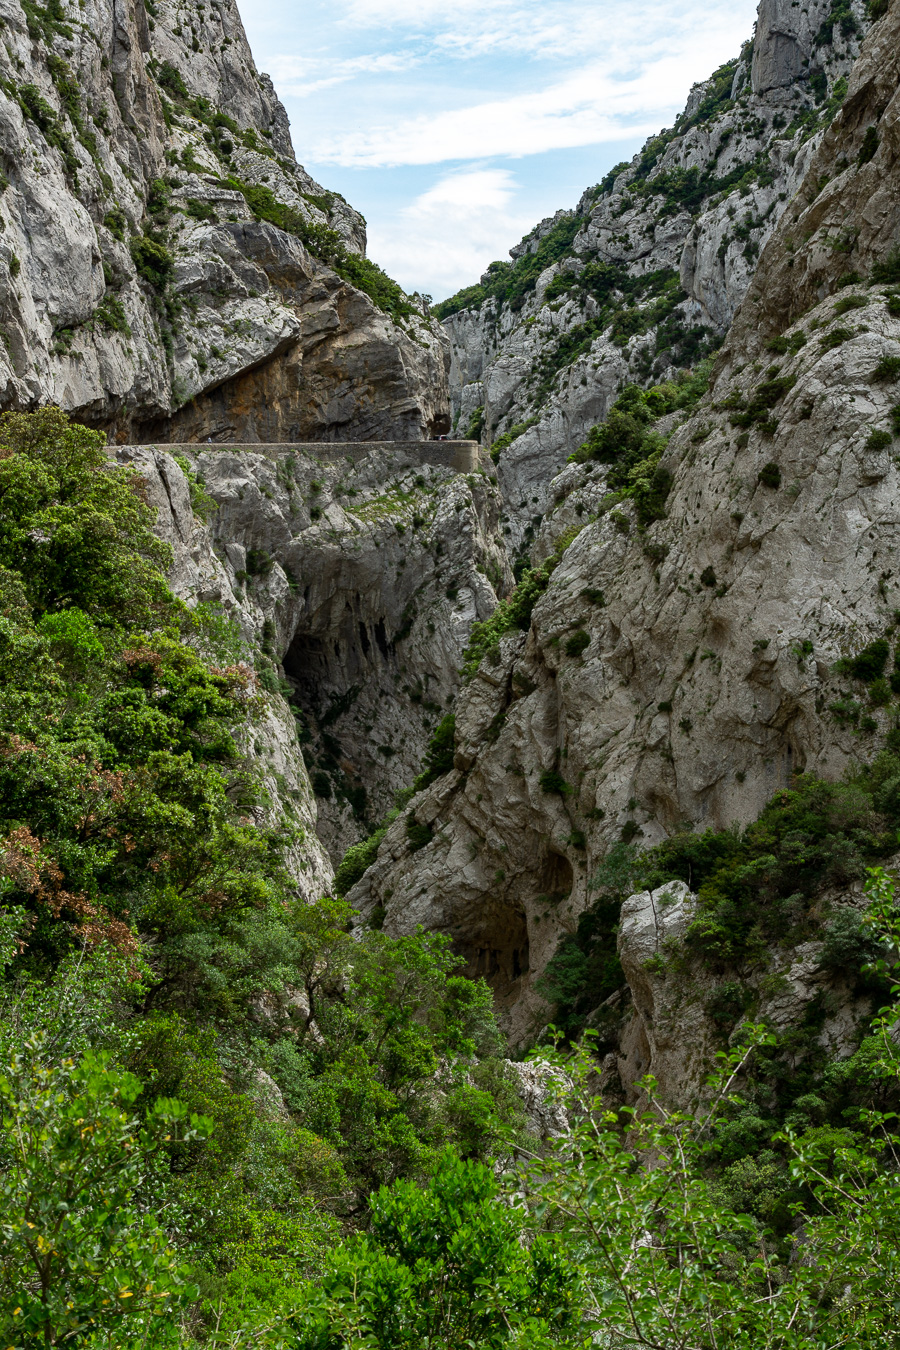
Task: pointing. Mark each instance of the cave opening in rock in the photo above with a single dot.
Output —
(498, 950)
(555, 879)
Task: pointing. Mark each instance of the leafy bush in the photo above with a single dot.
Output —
(551, 780)
(762, 400)
(782, 344)
(869, 664)
(670, 1246)
(879, 440)
(439, 754)
(577, 643)
(626, 442)
(153, 261)
(887, 370)
(446, 1265)
(770, 475)
(515, 612)
(418, 836)
(169, 78)
(83, 1253)
(357, 859)
(835, 338)
(888, 270)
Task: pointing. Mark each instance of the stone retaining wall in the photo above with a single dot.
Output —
(463, 456)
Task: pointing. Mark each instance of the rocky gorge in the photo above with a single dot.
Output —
(656, 634)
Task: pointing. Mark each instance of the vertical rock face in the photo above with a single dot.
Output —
(647, 273)
(667, 1026)
(786, 39)
(270, 744)
(360, 581)
(160, 248)
(846, 218)
(706, 667)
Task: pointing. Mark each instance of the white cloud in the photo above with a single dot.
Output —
(451, 232)
(590, 106)
(550, 29)
(295, 75)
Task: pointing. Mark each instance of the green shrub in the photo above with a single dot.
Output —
(110, 314)
(259, 562)
(577, 643)
(889, 270)
(417, 836)
(551, 780)
(82, 1248)
(449, 1264)
(357, 860)
(200, 210)
(879, 440)
(116, 222)
(782, 344)
(887, 370)
(439, 754)
(476, 425)
(153, 261)
(835, 338)
(168, 77)
(770, 475)
(848, 302)
(515, 612)
(870, 663)
(762, 400)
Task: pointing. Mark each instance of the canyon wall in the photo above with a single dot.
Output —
(675, 673)
(645, 275)
(164, 260)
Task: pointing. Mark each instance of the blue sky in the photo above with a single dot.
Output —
(456, 125)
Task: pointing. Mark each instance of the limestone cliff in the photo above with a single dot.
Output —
(167, 268)
(358, 581)
(679, 671)
(646, 273)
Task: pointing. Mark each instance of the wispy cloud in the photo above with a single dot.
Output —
(452, 231)
(386, 95)
(296, 75)
(592, 105)
(547, 29)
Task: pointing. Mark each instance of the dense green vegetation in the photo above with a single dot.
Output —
(161, 976)
(759, 892)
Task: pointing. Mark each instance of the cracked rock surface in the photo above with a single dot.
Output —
(147, 286)
(655, 261)
(709, 678)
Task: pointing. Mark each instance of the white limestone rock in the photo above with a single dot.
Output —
(508, 354)
(104, 157)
